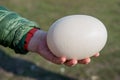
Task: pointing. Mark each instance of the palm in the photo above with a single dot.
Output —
(44, 51)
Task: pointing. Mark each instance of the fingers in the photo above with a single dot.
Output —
(84, 61)
(87, 60)
(49, 56)
(96, 55)
(71, 62)
(58, 60)
(62, 60)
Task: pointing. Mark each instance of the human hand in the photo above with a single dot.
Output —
(38, 44)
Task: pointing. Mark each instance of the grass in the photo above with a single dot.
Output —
(45, 12)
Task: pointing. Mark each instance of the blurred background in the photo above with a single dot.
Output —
(33, 67)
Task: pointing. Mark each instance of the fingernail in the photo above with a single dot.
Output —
(63, 59)
(88, 61)
(85, 61)
(96, 55)
(73, 62)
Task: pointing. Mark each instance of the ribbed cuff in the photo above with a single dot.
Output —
(22, 46)
(28, 37)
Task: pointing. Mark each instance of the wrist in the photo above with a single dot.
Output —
(35, 41)
(29, 35)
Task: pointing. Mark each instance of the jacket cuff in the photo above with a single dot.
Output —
(22, 46)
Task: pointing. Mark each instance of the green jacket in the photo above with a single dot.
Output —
(13, 29)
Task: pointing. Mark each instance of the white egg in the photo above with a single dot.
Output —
(76, 37)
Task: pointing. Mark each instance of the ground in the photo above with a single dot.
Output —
(33, 67)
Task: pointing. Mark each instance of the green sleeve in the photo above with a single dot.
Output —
(13, 28)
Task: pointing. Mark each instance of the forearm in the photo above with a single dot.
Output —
(13, 29)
